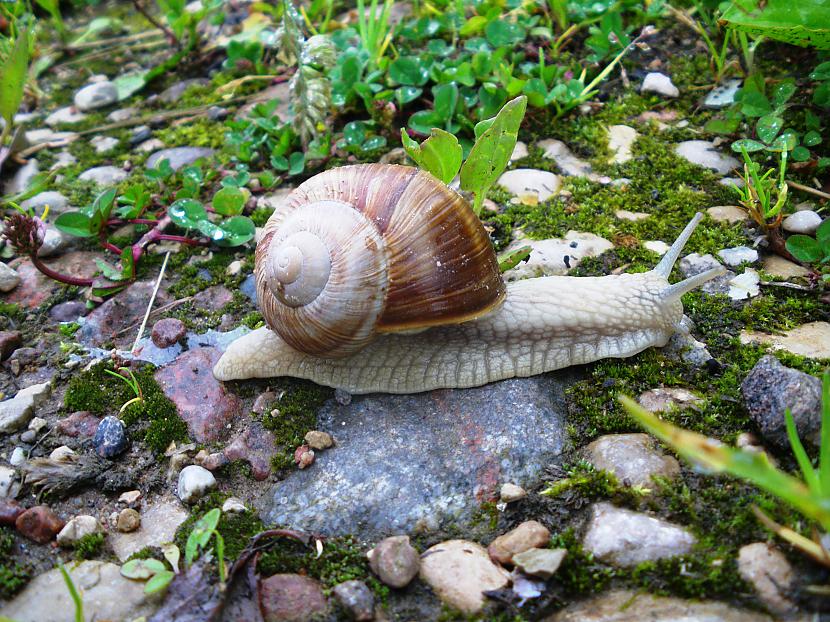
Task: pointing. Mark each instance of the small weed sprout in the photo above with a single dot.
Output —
(131, 382)
(73, 592)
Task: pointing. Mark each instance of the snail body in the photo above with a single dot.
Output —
(443, 320)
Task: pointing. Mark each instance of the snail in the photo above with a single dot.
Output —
(380, 278)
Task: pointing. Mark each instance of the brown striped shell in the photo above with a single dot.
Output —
(372, 248)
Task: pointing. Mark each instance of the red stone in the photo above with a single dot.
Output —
(35, 287)
(39, 524)
(256, 446)
(10, 340)
(9, 511)
(291, 598)
(212, 298)
(81, 423)
(114, 319)
(167, 331)
(200, 399)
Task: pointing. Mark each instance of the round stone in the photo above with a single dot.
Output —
(128, 520)
(167, 331)
(110, 437)
(194, 482)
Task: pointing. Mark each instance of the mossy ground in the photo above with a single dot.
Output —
(153, 419)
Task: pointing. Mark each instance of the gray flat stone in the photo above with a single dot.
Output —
(55, 200)
(723, 95)
(104, 175)
(404, 462)
(703, 153)
(106, 595)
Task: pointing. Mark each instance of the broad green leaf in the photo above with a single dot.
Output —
(492, 150)
(406, 94)
(127, 264)
(799, 22)
(500, 32)
(768, 127)
(13, 77)
(142, 568)
(811, 138)
(804, 248)
(747, 144)
(821, 72)
(424, 120)
(159, 582)
(445, 100)
(439, 155)
(129, 84)
(785, 142)
(408, 70)
(782, 92)
(109, 272)
(229, 201)
(800, 154)
(755, 104)
(75, 223)
(296, 163)
(237, 230)
(186, 213)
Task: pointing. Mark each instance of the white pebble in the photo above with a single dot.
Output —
(806, 222)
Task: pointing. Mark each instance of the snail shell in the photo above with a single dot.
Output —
(367, 249)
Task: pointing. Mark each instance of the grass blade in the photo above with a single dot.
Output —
(801, 456)
(824, 450)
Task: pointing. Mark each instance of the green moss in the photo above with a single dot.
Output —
(13, 576)
(253, 320)
(291, 417)
(580, 574)
(261, 215)
(89, 546)
(589, 482)
(342, 559)
(154, 418)
(199, 133)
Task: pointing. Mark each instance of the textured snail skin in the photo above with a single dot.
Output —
(545, 324)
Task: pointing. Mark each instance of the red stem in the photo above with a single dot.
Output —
(62, 278)
(180, 238)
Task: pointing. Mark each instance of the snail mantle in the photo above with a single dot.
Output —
(380, 278)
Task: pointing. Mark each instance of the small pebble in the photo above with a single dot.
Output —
(541, 563)
(232, 505)
(194, 482)
(319, 440)
(60, 454)
(805, 222)
(357, 599)
(511, 492)
(528, 535)
(167, 331)
(18, 457)
(130, 497)
(39, 524)
(77, 528)
(395, 561)
(304, 456)
(738, 255)
(128, 520)
(660, 83)
(37, 424)
(110, 438)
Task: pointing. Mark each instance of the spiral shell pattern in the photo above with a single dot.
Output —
(367, 249)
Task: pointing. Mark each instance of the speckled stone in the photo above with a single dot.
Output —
(168, 331)
(442, 453)
(110, 438)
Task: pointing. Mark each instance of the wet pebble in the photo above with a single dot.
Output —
(96, 95)
(805, 222)
(140, 134)
(9, 511)
(632, 458)
(77, 528)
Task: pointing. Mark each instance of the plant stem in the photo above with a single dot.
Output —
(140, 8)
(57, 276)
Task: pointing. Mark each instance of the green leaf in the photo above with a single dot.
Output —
(408, 70)
(500, 32)
(768, 127)
(513, 258)
(237, 231)
(171, 554)
(130, 83)
(785, 142)
(804, 248)
(109, 272)
(445, 100)
(823, 232)
(229, 201)
(424, 120)
(406, 94)
(747, 144)
(782, 92)
(439, 155)
(755, 104)
(187, 213)
(811, 138)
(75, 223)
(13, 77)
(798, 22)
(159, 582)
(821, 72)
(142, 568)
(492, 150)
(296, 163)
(801, 154)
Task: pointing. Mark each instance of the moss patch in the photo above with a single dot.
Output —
(154, 419)
(13, 576)
(291, 417)
(89, 546)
